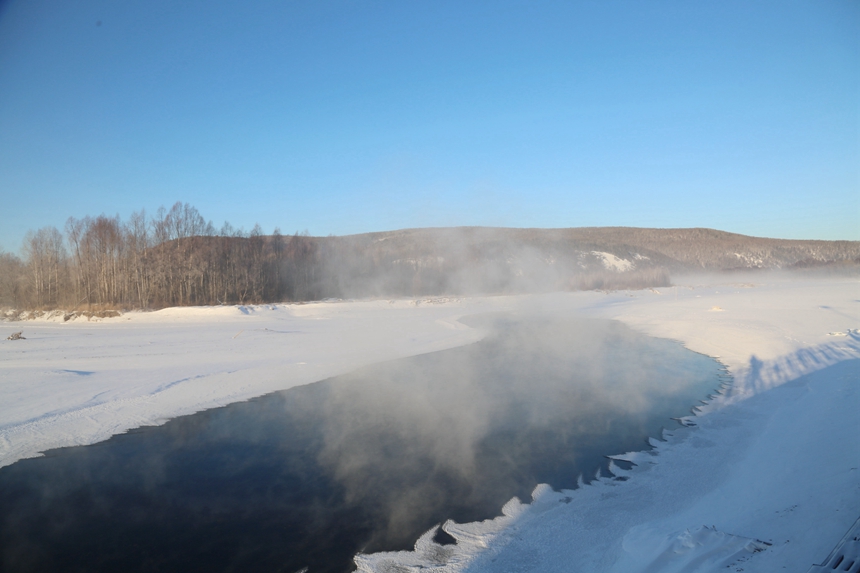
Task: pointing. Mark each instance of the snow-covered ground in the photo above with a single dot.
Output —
(767, 478)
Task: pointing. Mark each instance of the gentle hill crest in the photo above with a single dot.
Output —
(488, 259)
(180, 260)
(679, 249)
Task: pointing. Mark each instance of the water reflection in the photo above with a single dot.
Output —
(367, 461)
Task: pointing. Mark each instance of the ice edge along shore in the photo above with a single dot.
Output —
(711, 496)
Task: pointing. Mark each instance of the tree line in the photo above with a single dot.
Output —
(176, 258)
(173, 258)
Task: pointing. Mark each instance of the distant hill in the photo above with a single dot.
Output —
(111, 265)
(481, 259)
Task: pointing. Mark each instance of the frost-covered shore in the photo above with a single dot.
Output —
(768, 477)
(765, 478)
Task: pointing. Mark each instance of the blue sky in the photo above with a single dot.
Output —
(347, 117)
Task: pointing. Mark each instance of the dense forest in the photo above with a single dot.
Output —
(176, 258)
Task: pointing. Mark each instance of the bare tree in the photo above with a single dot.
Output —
(137, 239)
(75, 233)
(45, 254)
(12, 279)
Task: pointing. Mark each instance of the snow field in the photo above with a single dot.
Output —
(766, 478)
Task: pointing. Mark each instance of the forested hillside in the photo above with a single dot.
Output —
(177, 258)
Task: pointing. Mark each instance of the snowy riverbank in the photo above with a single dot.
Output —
(768, 477)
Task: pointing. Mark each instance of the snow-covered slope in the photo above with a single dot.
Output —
(768, 476)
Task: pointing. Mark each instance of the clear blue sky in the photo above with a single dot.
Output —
(346, 117)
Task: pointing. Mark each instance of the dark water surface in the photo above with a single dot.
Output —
(364, 462)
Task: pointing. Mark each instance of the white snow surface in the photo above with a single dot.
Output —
(766, 477)
(613, 263)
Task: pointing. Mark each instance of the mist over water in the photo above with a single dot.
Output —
(362, 462)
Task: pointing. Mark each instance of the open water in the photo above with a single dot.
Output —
(368, 461)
